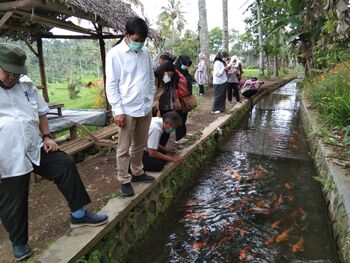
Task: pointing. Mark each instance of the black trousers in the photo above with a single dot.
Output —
(152, 164)
(232, 88)
(54, 166)
(181, 131)
(249, 93)
(201, 89)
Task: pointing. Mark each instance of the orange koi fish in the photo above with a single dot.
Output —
(280, 200)
(262, 168)
(298, 246)
(270, 240)
(276, 223)
(282, 237)
(290, 197)
(198, 245)
(288, 186)
(243, 253)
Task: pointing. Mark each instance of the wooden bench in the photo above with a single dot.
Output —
(53, 105)
(97, 138)
(58, 106)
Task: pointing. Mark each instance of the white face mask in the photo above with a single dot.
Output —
(166, 79)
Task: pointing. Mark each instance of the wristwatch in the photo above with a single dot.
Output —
(49, 135)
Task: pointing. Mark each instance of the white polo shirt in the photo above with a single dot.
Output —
(20, 143)
(154, 133)
(130, 81)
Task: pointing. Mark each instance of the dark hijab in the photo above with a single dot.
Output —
(220, 57)
(185, 60)
(167, 66)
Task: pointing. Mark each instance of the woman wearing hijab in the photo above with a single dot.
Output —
(165, 98)
(220, 82)
(182, 64)
(201, 75)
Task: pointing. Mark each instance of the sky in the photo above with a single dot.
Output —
(152, 9)
(214, 12)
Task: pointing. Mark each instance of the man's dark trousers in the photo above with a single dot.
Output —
(54, 166)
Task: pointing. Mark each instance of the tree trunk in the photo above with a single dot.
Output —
(261, 47)
(225, 25)
(203, 32)
(275, 56)
(268, 65)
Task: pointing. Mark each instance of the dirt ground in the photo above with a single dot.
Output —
(48, 212)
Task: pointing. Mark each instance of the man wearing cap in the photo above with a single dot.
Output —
(27, 146)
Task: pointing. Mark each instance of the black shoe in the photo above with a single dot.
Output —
(89, 219)
(127, 190)
(142, 178)
(21, 252)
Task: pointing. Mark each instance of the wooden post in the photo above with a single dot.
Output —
(103, 59)
(42, 68)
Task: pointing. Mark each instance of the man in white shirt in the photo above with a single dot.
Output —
(26, 145)
(155, 156)
(130, 90)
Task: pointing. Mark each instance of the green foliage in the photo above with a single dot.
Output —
(330, 93)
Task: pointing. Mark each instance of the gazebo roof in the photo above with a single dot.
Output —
(30, 19)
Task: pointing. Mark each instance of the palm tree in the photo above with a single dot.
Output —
(172, 20)
(203, 31)
(225, 25)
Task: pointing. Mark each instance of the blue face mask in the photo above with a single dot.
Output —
(170, 130)
(136, 46)
(183, 67)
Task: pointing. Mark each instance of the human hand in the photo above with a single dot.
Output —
(171, 150)
(178, 159)
(50, 145)
(119, 120)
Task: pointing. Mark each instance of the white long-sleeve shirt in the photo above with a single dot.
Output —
(130, 81)
(219, 75)
(20, 143)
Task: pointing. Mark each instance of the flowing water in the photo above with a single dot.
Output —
(257, 202)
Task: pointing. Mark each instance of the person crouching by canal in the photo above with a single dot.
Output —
(26, 145)
(220, 82)
(130, 89)
(155, 155)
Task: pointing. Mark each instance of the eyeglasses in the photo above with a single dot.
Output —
(10, 74)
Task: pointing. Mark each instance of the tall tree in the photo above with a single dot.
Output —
(261, 46)
(203, 28)
(225, 25)
(203, 32)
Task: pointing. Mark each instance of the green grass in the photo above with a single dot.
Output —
(330, 93)
(250, 73)
(58, 92)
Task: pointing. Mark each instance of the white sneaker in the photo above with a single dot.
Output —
(217, 112)
(183, 140)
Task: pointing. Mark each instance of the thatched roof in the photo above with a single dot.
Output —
(28, 19)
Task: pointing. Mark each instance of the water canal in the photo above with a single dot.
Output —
(256, 202)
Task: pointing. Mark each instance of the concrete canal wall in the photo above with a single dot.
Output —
(131, 218)
(335, 180)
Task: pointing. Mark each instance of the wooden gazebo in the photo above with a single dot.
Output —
(32, 20)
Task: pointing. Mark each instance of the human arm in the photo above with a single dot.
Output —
(113, 73)
(49, 144)
(156, 154)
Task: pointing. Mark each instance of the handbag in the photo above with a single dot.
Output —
(189, 102)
